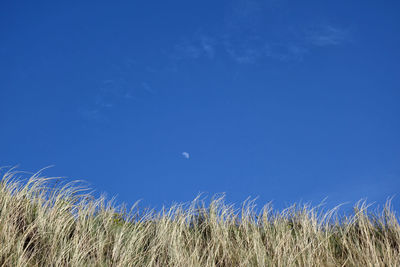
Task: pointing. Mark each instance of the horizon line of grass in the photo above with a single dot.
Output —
(54, 224)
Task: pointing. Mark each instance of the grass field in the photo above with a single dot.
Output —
(43, 224)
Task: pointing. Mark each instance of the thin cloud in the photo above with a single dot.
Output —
(240, 50)
(245, 37)
(208, 46)
(253, 48)
(248, 15)
(186, 50)
(286, 51)
(245, 56)
(148, 88)
(326, 35)
(91, 115)
(121, 88)
(194, 48)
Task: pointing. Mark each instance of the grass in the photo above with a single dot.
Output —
(63, 225)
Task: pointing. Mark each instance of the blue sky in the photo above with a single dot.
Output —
(161, 100)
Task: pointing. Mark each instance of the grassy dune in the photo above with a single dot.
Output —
(42, 224)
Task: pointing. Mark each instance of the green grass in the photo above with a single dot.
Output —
(42, 225)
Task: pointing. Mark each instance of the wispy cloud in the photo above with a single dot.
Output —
(186, 50)
(91, 114)
(146, 86)
(244, 56)
(249, 50)
(253, 48)
(245, 36)
(326, 35)
(186, 155)
(195, 47)
(248, 15)
(208, 45)
(286, 51)
(108, 94)
(120, 88)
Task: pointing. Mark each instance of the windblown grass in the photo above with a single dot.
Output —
(43, 225)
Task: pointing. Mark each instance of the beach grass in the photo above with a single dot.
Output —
(44, 222)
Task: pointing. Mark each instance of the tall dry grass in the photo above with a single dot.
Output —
(46, 225)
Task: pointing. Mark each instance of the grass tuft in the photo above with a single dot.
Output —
(43, 223)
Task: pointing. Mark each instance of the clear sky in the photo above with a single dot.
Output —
(161, 100)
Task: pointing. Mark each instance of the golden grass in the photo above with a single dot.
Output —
(43, 225)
